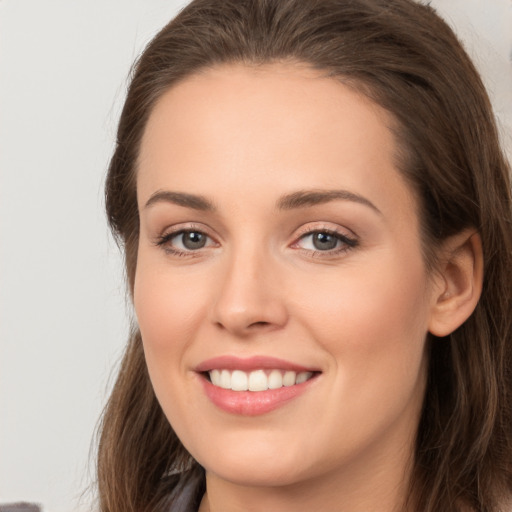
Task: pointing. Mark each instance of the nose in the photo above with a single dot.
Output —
(250, 297)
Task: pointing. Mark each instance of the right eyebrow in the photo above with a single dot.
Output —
(196, 202)
(306, 198)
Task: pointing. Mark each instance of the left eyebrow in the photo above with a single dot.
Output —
(305, 198)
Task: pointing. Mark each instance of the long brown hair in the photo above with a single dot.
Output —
(406, 59)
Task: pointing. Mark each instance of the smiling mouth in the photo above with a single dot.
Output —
(257, 380)
(256, 385)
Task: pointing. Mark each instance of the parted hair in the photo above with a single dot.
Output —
(402, 56)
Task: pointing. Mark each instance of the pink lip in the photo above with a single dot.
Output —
(250, 403)
(249, 364)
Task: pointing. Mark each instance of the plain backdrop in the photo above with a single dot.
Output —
(63, 312)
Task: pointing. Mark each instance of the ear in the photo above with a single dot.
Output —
(458, 286)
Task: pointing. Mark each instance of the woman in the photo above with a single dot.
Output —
(315, 213)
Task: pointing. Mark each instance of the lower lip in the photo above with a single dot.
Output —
(253, 403)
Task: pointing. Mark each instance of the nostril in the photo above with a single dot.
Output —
(259, 324)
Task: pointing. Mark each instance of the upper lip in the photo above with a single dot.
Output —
(249, 364)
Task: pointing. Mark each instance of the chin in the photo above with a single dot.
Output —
(255, 462)
(269, 473)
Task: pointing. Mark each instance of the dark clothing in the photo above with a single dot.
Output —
(186, 491)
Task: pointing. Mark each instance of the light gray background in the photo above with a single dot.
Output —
(63, 317)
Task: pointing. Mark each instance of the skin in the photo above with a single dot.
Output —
(243, 137)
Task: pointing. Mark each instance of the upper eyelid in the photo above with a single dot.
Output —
(306, 229)
(325, 227)
(184, 227)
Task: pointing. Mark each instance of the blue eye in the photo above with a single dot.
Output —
(191, 240)
(185, 241)
(326, 241)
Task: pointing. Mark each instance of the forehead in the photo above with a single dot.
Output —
(283, 125)
(282, 98)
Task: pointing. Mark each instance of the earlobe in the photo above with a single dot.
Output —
(459, 282)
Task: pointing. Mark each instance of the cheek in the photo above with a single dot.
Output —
(377, 304)
(169, 314)
(373, 326)
(372, 323)
(169, 310)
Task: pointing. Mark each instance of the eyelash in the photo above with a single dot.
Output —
(165, 239)
(347, 243)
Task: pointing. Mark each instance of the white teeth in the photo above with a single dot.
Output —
(275, 380)
(215, 377)
(289, 379)
(303, 377)
(257, 380)
(239, 381)
(225, 380)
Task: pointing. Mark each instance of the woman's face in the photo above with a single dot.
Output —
(279, 250)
